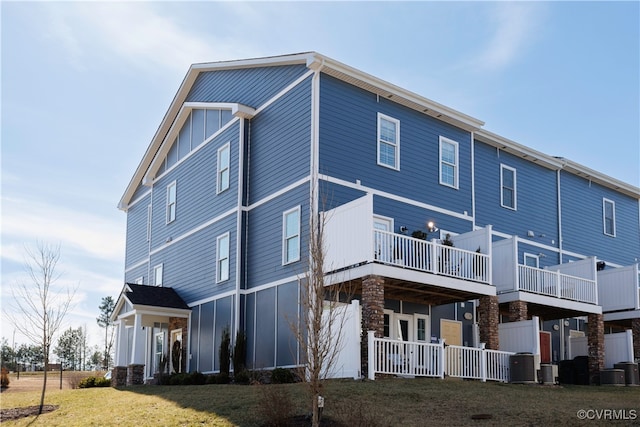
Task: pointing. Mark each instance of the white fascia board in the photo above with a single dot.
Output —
(394, 92)
(600, 178)
(518, 150)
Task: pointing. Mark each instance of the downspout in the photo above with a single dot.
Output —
(239, 254)
(473, 183)
(559, 197)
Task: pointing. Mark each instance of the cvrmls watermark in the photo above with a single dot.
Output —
(607, 414)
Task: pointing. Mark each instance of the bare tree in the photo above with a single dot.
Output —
(323, 315)
(40, 306)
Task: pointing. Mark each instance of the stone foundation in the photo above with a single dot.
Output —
(135, 374)
(372, 315)
(635, 330)
(119, 376)
(595, 339)
(488, 320)
(518, 311)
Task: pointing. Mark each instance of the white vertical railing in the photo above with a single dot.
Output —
(393, 357)
(432, 257)
(556, 284)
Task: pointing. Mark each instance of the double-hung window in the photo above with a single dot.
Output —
(508, 187)
(171, 202)
(388, 142)
(222, 258)
(157, 275)
(223, 168)
(609, 217)
(291, 236)
(448, 162)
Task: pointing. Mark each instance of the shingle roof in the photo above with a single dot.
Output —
(156, 296)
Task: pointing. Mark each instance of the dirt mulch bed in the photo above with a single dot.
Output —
(17, 413)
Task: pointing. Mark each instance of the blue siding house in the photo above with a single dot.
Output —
(446, 230)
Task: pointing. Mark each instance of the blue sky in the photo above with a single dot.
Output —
(85, 86)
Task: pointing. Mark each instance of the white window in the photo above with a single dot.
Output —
(531, 260)
(158, 350)
(609, 217)
(388, 142)
(139, 281)
(157, 275)
(291, 236)
(171, 202)
(508, 187)
(448, 162)
(223, 168)
(222, 258)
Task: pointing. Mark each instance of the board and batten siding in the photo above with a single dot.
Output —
(189, 265)
(280, 143)
(252, 86)
(582, 221)
(348, 147)
(137, 245)
(264, 250)
(197, 201)
(536, 196)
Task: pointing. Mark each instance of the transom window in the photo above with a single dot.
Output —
(508, 186)
(171, 202)
(448, 162)
(223, 168)
(291, 236)
(223, 258)
(609, 217)
(388, 142)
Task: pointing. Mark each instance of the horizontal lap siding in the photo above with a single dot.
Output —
(264, 250)
(252, 87)
(334, 195)
(189, 265)
(536, 192)
(135, 273)
(279, 147)
(196, 199)
(582, 226)
(348, 147)
(416, 218)
(137, 245)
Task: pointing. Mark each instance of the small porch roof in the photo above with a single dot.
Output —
(156, 301)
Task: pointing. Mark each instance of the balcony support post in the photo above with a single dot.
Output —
(635, 330)
(372, 315)
(595, 342)
(488, 319)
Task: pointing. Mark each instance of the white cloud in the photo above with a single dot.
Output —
(515, 25)
(136, 33)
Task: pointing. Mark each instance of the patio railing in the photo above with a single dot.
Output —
(403, 358)
(556, 284)
(431, 257)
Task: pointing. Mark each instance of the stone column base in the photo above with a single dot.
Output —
(595, 340)
(518, 311)
(372, 315)
(135, 374)
(119, 376)
(488, 320)
(635, 330)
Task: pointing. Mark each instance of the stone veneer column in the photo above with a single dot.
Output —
(135, 374)
(635, 330)
(518, 311)
(488, 320)
(372, 315)
(595, 340)
(119, 376)
(181, 323)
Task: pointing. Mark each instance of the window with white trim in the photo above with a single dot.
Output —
(171, 202)
(531, 260)
(448, 162)
(291, 235)
(609, 217)
(222, 255)
(157, 275)
(139, 281)
(223, 167)
(508, 198)
(388, 142)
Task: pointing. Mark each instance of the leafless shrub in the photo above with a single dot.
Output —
(275, 407)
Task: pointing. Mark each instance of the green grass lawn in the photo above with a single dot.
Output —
(387, 402)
